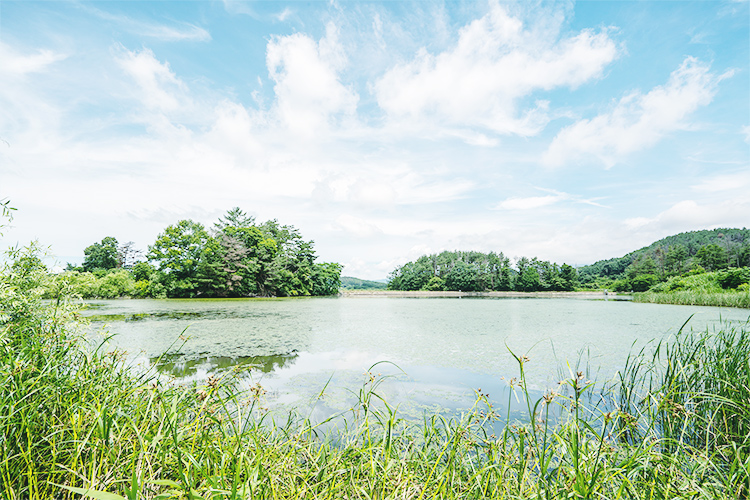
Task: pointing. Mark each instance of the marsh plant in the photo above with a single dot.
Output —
(76, 421)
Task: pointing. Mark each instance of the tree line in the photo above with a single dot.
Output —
(684, 254)
(237, 257)
(476, 271)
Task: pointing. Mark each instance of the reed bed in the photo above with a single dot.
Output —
(696, 298)
(77, 422)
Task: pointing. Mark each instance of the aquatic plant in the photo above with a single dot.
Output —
(77, 421)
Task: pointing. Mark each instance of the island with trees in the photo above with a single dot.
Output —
(237, 257)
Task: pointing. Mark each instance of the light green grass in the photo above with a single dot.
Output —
(697, 298)
(77, 421)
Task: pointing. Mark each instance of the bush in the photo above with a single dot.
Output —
(733, 277)
(435, 284)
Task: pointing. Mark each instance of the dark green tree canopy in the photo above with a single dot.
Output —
(102, 255)
(239, 258)
(476, 271)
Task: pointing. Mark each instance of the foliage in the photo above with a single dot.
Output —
(712, 257)
(237, 258)
(79, 422)
(675, 255)
(101, 256)
(476, 271)
(727, 288)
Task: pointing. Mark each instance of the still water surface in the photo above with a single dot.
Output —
(444, 348)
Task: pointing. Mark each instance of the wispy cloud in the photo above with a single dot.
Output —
(637, 121)
(175, 31)
(534, 202)
(15, 63)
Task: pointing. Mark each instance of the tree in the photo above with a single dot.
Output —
(568, 277)
(528, 276)
(326, 278)
(463, 277)
(235, 218)
(128, 255)
(179, 251)
(675, 258)
(712, 257)
(102, 256)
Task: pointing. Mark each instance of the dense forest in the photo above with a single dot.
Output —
(476, 271)
(235, 258)
(683, 254)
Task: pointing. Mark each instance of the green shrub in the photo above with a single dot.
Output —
(643, 282)
(733, 277)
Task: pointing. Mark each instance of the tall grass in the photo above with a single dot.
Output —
(696, 298)
(75, 421)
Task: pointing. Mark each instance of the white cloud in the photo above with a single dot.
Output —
(496, 61)
(160, 87)
(284, 14)
(185, 32)
(689, 215)
(355, 226)
(637, 121)
(174, 33)
(533, 202)
(725, 182)
(529, 203)
(309, 92)
(14, 63)
(746, 133)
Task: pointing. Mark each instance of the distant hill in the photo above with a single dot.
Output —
(349, 283)
(734, 241)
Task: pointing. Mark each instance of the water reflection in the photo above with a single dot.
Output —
(183, 366)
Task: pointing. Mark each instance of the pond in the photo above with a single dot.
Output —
(439, 350)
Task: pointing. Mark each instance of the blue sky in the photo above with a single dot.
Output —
(382, 130)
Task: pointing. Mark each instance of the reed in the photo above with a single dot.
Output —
(77, 421)
(697, 298)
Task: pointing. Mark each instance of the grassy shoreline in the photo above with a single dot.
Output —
(674, 424)
(446, 293)
(696, 298)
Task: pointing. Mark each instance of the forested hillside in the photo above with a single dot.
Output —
(683, 254)
(690, 252)
(349, 283)
(235, 258)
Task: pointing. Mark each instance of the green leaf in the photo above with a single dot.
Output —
(88, 492)
(166, 482)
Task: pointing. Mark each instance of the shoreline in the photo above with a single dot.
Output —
(454, 294)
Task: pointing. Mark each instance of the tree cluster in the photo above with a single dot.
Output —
(234, 258)
(683, 254)
(476, 271)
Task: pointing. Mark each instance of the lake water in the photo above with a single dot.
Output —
(441, 349)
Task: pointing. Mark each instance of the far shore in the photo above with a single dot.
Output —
(422, 293)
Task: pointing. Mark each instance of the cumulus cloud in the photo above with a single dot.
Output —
(637, 121)
(309, 92)
(496, 62)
